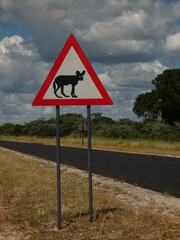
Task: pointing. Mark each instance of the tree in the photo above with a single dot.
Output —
(163, 101)
(7, 129)
(18, 130)
(97, 118)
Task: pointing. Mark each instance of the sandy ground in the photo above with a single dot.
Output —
(135, 196)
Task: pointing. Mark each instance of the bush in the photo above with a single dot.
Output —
(10, 129)
(102, 127)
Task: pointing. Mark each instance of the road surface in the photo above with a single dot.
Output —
(157, 173)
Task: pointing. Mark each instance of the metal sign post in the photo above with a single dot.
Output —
(82, 129)
(83, 132)
(90, 164)
(58, 167)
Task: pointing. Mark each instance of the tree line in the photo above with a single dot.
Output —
(102, 127)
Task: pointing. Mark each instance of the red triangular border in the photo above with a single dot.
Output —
(39, 101)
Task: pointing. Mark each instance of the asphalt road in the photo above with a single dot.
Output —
(157, 173)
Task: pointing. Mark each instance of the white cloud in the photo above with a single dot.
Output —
(17, 108)
(48, 110)
(21, 73)
(103, 27)
(131, 75)
(129, 25)
(15, 44)
(20, 65)
(172, 44)
(107, 81)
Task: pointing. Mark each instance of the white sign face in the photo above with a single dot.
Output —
(72, 81)
(85, 87)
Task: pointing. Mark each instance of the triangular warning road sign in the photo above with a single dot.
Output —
(72, 81)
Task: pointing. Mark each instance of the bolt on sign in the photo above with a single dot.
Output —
(72, 81)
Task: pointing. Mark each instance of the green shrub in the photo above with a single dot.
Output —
(102, 127)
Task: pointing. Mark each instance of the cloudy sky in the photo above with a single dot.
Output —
(128, 43)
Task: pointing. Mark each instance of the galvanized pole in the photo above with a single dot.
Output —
(83, 132)
(90, 164)
(58, 167)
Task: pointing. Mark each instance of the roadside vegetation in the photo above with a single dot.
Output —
(148, 136)
(102, 127)
(28, 206)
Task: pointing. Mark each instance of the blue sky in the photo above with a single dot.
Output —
(170, 1)
(8, 29)
(127, 42)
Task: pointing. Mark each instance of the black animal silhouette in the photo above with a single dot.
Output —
(62, 80)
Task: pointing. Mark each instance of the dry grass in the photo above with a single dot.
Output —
(140, 146)
(28, 206)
